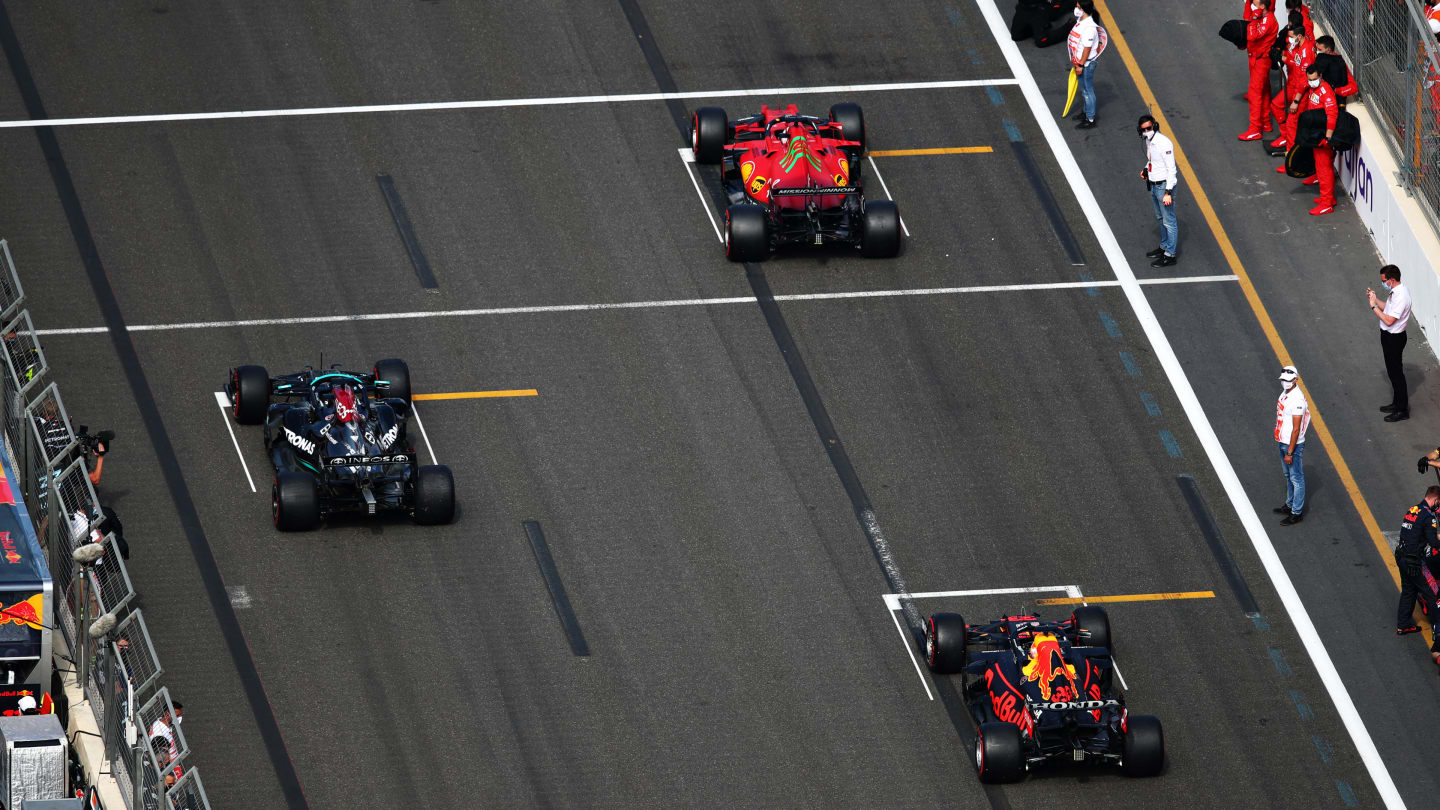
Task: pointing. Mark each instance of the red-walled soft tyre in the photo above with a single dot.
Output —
(747, 236)
(945, 643)
(249, 394)
(999, 753)
(295, 502)
(710, 131)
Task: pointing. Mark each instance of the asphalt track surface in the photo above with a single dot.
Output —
(740, 649)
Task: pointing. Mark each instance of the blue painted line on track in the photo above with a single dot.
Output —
(1111, 327)
(1171, 445)
(1324, 748)
(995, 97)
(1131, 367)
(1013, 131)
(1281, 665)
(956, 18)
(1347, 793)
(974, 56)
(1259, 620)
(1151, 406)
(1090, 291)
(1301, 705)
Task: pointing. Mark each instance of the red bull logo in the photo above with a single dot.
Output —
(7, 544)
(1007, 704)
(1049, 671)
(28, 612)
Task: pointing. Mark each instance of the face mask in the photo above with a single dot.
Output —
(1287, 384)
(1294, 42)
(1078, 12)
(1149, 135)
(1314, 82)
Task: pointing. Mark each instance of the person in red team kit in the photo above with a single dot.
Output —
(1259, 38)
(1299, 52)
(1299, 5)
(1319, 96)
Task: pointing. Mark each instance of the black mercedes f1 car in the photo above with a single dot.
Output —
(337, 441)
(1042, 690)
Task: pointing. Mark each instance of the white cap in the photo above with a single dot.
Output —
(27, 702)
(1288, 374)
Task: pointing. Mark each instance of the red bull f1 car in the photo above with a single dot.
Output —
(1043, 690)
(337, 441)
(794, 179)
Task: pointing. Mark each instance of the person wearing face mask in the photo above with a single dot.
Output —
(1319, 96)
(1331, 62)
(1394, 317)
(1260, 32)
(1160, 176)
(1299, 52)
(1086, 42)
(1292, 419)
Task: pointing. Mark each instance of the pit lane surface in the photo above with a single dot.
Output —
(741, 652)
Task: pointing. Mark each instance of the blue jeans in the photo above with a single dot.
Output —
(1087, 91)
(1294, 478)
(1165, 215)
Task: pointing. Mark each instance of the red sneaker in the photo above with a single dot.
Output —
(1250, 135)
(1321, 210)
(1311, 180)
(1280, 169)
(1279, 143)
(1405, 631)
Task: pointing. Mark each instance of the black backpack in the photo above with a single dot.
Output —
(1332, 70)
(1347, 132)
(1310, 128)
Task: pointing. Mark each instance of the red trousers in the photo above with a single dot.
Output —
(1325, 171)
(1280, 106)
(1259, 94)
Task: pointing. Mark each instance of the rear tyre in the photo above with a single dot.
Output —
(851, 121)
(1144, 746)
(999, 754)
(881, 237)
(295, 502)
(397, 373)
(1092, 627)
(746, 233)
(434, 495)
(710, 131)
(250, 390)
(945, 643)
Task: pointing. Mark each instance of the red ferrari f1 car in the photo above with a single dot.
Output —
(794, 179)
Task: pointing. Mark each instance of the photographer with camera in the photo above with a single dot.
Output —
(55, 435)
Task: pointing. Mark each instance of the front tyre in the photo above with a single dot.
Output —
(1144, 753)
(945, 643)
(709, 132)
(397, 373)
(999, 753)
(295, 501)
(1092, 627)
(249, 394)
(851, 121)
(881, 236)
(434, 495)
(747, 237)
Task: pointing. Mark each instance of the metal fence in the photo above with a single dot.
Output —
(1396, 62)
(117, 665)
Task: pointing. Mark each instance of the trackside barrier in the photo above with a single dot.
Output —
(118, 669)
(1396, 63)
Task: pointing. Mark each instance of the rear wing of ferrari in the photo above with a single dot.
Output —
(813, 191)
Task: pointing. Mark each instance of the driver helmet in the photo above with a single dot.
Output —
(347, 405)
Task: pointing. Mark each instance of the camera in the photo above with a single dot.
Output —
(91, 445)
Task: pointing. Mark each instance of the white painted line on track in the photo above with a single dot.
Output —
(555, 101)
(423, 434)
(682, 302)
(888, 195)
(1204, 431)
(909, 648)
(224, 403)
(696, 183)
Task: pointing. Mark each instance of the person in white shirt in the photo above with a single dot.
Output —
(1292, 419)
(1394, 317)
(1086, 42)
(1160, 176)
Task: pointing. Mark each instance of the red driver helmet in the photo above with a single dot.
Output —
(346, 408)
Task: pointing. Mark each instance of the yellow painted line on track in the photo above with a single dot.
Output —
(1202, 200)
(1129, 597)
(943, 150)
(518, 392)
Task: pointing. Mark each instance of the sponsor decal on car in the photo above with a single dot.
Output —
(1075, 704)
(1049, 670)
(757, 185)
(798, 148)
(366, 461)
(299, 441)
(746, 169)
(795, 192)
(388, 437)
